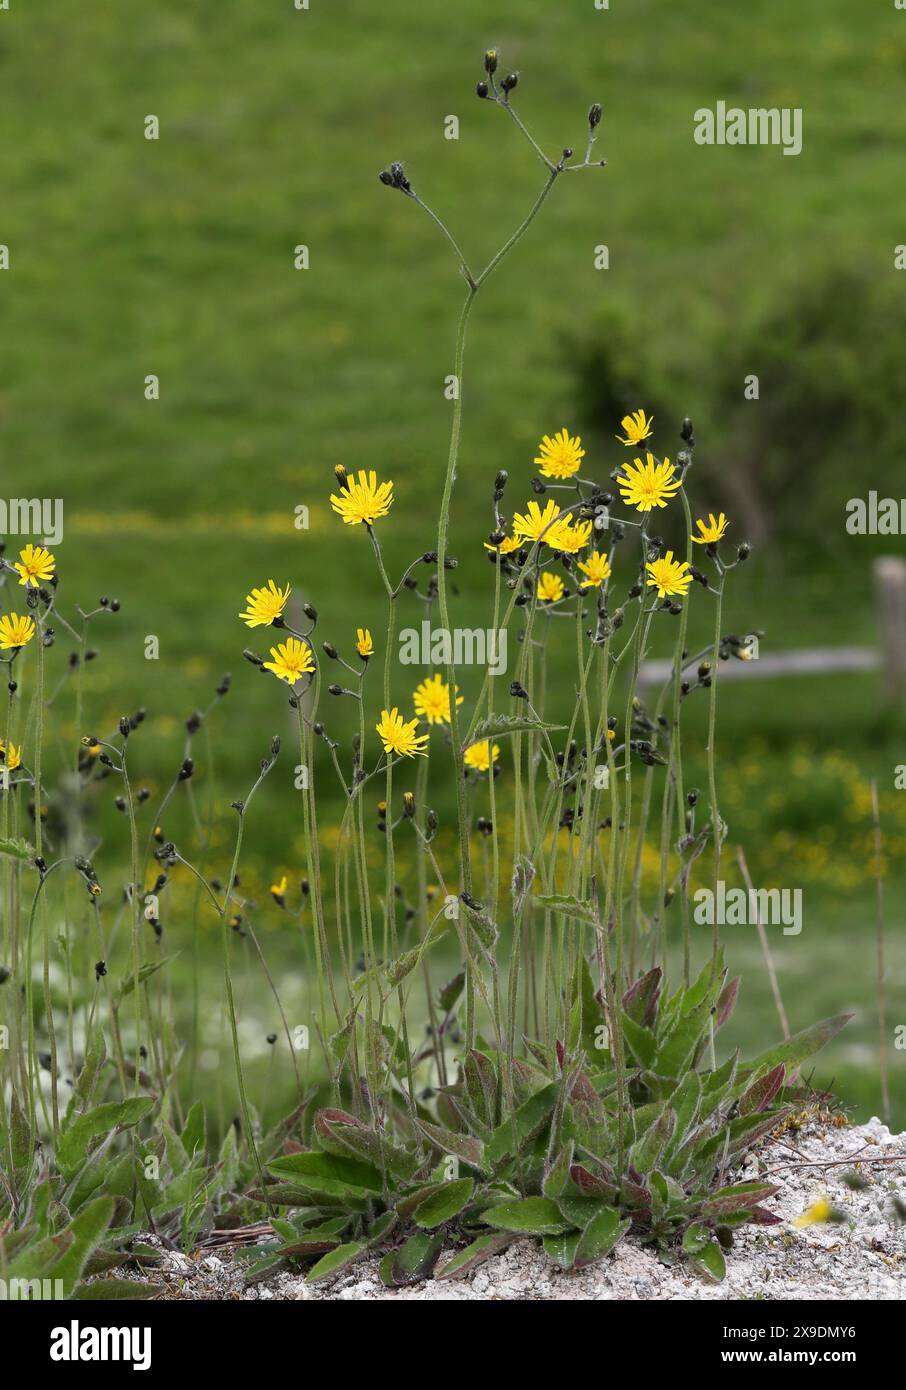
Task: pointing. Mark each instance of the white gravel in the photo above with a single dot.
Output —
(860, 1258)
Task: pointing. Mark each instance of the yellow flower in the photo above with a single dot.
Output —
(34, 563)
(561, 456)
(648, 485)
(398, 735)
(550, 587)
(363, 501)
(15, 755)
(364, 646)
(506, 546)
(712, 530)
(481, 755)
(265, 605)
(15, 631)
(668, 575)
(291, 660)
(637, 427)
(432, 700)
(278, 889)
(818, 1213)
(597, 568)
(568, 537)
(535, 522)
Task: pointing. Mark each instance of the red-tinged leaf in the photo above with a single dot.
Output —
(291, 1146)
(760, 1216)
(761, 1092)
(727, 1002)
(736, 1198)
(590, 1184)
(464, 1261)
(640, 999)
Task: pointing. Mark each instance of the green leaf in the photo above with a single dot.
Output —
(600, 1236)
(327, 1173)
(464, 1261)
(710, 1262)
(531, 1216)
(450, 992)
(695, 1238)
(799, 1047)
(502, 724)
(76, 1139)
(88, 1230)
(529, 1119)
(335, 1261)
(145, 972)
(413, 1261)
(640, 1041)
(16, 848)
(101, 1290)
(462, 1146)
(567, 906)
(444, 1205)
(561, 1250)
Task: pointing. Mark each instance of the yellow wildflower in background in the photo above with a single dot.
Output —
(432, 700)
(597, 569)
(15, 631)
(398, 735)
(535, 522)
(561, 456)
(480, 755)
(712, 530)
(292, 659)
(34, 563)
(364, 645)
(278, 889)
(668, 576)
(818, 1213)
(265, 605)
(550, 587)
(648, 485)
(363, 501)
(15, 755)
(637, 427)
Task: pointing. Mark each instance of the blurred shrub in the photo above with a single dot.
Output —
(827, 425)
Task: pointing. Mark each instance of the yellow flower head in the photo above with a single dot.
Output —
(569, 537)
(34, 564)
(278, 889)
(668, 576)
(15, 631)
(432, 700)
(637, 427)
(363, 501)
(292, 659)
(550, 587)
(817, 1213)
(14, 758)
(364, 645)
(265, 605)
(648, 485)
(561, 456)
(711, 530)
(596, 568)
(480, 755)
(399, 735)
(506, 546)
(535, 522)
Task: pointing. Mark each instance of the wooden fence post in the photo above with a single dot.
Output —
(890, 584)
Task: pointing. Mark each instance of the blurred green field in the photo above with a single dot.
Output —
(175, 258)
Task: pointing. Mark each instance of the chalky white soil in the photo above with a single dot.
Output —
(860, 1258)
